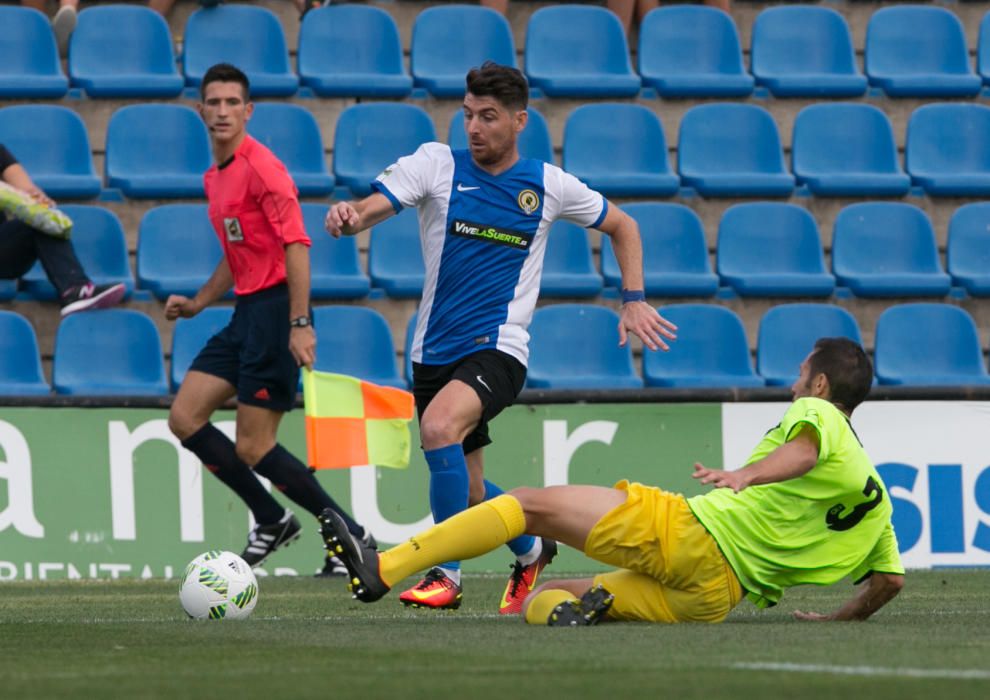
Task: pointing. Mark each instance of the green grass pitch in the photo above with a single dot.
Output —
(307, 638)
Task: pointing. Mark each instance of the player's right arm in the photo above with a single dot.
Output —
(220, 282)
(348, 218)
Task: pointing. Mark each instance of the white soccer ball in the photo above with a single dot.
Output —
(218, 586)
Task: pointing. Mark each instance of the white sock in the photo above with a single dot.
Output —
(533, 554)
(453, 574)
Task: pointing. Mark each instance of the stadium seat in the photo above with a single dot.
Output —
(919, 51)
(395, 256)
(983, 50)
(249, 37)
(157, 150)
(948, 149)
(20, 361)
(788, 332)
(579, 51)
(771, 249)
(568, 270)
(576, 346)
(352, 51)
(356, 341)
(8, 289)
(29, 64)
(711, 350)
(190, 337)
(123, 51)
(291, 132)
(675, 254)
(902, 355)
(633, 146)
(100, 244)
(52, 144)
(692, 51)
(335, 268)
(177, 250)
(732, 150)
(846, 150)
(968, 253)
(450, 40)
(802, 51)
(887, 249)
(534, 141)
(370, 137)
(116, 352)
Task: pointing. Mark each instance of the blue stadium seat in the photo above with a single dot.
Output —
(100, 244)
(788, 332)
(801, 51)
(51, 143)
(968, 253)
(370, 137)
(249, 37)
(887, 249)
(407, 352)
(116, 352)
(948, 149)
(675, 254)
(847, 150)
(901, 356)
(157, 150)
(123, 51)
(772, 249)
(576, 346)
(579, 51)
(291, 132)
(190, 336)
(352, 51)
(29, 64)
(20, 361)
(732, 150)
(534, 141)
(356, 341)
(335, 267)
(692, 51)
(395, 256)
(633, 146)
(449, 40)
(177, 250)
(568, 270)
(919, 51)
(8, 289)
(983, 50)
(711, 350)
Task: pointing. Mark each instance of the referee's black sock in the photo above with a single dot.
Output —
(217, 453)
(297, 481)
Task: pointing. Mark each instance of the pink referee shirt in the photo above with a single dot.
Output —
(254, 208)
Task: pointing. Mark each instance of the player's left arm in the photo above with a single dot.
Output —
(636, 316)
(302, 340)
(794, 458)
(878, 590)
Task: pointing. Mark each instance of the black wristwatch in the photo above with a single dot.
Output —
(301, 322)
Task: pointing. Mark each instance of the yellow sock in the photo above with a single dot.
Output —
(543, 603)
(468, 534)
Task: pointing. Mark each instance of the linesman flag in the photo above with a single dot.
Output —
(350, 422)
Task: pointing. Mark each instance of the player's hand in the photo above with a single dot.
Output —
(178, 306)
(340, 215)
(302, 345)
(719, 478)
(40, 197)
(811, 616)
(642, 319)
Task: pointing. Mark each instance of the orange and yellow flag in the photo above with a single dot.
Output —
(350, 422)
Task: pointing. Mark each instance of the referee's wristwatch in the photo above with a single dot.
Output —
(301, 322)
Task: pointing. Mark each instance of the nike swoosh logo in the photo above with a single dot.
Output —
(426, 595)
(462, 188)
(482, 382)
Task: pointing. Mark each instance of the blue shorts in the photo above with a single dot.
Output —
(252, 352)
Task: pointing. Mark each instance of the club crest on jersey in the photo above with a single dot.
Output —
(233, 228)
(528, 201)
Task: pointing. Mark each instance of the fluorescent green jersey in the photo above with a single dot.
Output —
(818, 528)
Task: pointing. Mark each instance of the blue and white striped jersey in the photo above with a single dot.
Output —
(483, 239)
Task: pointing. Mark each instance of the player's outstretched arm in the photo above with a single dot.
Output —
(794, 458)
(348, 218)
(872, 595)
(178, 306)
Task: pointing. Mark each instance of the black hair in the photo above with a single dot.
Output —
(847, 368)
(225, 73)
(506, 84)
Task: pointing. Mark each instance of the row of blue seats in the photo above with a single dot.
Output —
(723, 149)
(119, 352)
(764, 249)
(571, 51)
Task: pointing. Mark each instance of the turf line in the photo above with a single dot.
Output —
(949, 673)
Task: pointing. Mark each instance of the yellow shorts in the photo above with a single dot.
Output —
(671, 568)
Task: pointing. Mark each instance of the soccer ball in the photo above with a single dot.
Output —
(218, 586)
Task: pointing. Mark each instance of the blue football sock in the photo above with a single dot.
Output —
(448, 485)
(522, 544)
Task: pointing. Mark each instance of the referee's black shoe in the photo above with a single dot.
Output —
(265, 539)
(360, 558)
(589, 610)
